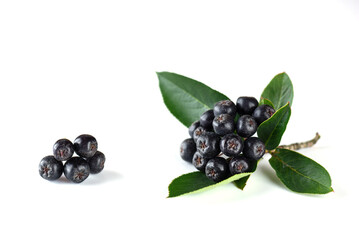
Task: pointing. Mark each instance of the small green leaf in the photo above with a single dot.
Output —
(300, 173)
(241, 183)
(266, 102)
(272, 130)
(279, 91)
(197, 182)
(186, 98)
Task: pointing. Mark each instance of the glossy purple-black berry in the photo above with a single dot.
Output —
(187, 149)
(246, 126)
(63, 149)
(253, 148)
(76, 169)
(208, 145)
(231, 145)
(50, 168)
(246, 105)
(206, 119)
(199, 161)
(262, 113)
(96, 162)
(85, 146)
(223, 124)
(217, 169)
(225, 107)
(193, 127)
(198, 132)
(241, 164)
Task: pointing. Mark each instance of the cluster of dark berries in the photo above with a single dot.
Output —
(220, 145)
(76, 168)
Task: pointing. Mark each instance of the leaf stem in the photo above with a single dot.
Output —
(300, 145)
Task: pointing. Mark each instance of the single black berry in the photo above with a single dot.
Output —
(231, 145)
(199, 161)
(217, 169)
(206, 119)
(187, 149)
(253, 148)
(97, 162)
(262, 113)
(198, 132)
(225, 106)
(223, 124)
(76, 169)
(193, 127)
(246, 126)
(208, 145)
(85, 145)
(63, 149)
(50, 168)
(241, 164)
(246, 105)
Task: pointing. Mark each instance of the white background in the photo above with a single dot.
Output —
(73, 67)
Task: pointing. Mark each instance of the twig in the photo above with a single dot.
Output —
(297, 146)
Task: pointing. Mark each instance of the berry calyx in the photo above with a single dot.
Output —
(231, 145)
(50, 168)
(63, 149)
(85, 145)
(217, 169)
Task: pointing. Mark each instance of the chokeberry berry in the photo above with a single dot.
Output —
(193, 127)
(241, 164)
(50, 168)
(225, 106)
(262, 113)
(206, 119)
(231, 145)
(208, 145)
(246, 126)
(63, 149)
(187, 149)
(223, 124)
(96, 162)
(253, 148)
(198, 132)
(76, 169)
(199, 161)
(217, 169)
(246, 105)
(85, 145)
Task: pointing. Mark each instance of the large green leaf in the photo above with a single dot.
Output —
(197, 182)
(279, 91)
(300, 173)
(272, 130)
(186, 98)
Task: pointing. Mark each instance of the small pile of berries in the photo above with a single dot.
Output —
(220, 145)
(76, 168)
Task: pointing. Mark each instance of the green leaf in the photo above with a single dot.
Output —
(197, 182)
(272, 130)
(186, 98)
(300, 173)
(279, 91)
(241, 183)
(266, 102)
